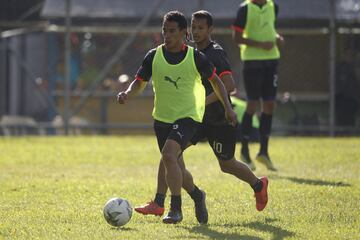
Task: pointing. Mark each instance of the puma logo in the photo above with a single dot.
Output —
(172, 81)
(181, 135)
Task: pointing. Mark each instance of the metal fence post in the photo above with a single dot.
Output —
(332, 63)
(66, 114)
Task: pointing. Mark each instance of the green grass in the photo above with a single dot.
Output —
(56, 187)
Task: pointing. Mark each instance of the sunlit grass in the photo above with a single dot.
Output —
(55, 188)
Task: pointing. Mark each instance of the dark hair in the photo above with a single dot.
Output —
(202, 14)
(176, 16)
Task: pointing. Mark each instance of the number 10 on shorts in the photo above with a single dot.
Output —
(217, 147)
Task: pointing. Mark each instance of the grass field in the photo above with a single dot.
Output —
(55, 188)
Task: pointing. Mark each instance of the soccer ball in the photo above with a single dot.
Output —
(117, 211)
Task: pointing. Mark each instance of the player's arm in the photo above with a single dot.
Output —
(229, 84)
(238, 29)
(239, 39)
(280, 41)
(142, 77)
(135, 88)
(221, 62)
(220, 90)
(222, 95)
(208, 71)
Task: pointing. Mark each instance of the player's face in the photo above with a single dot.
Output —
(200, 30)
(173, 36)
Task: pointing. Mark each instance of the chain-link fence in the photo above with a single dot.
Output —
(32, 67)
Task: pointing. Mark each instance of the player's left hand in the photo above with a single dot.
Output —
(231, 117)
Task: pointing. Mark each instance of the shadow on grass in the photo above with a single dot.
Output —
(212, 234)
(277, 232)
(123, 229)
(313, 181)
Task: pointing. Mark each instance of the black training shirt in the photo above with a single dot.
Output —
(215, 112)
(204, 67)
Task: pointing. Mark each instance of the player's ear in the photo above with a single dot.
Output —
(187, 36)
(211, 29)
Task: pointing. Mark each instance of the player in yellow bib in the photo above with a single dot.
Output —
(220, 135)
(179, 100)
(255, 33)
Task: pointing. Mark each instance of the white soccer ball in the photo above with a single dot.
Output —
(117, 211)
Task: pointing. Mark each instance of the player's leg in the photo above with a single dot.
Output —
(222, 139)
(246, 128)
(179, 137)
(252, 83)
(243, 172)
(173, 176)
(265, 125)
(197, 195)
(162, 187)
(269, 89)
(188, 182)
(156, 207)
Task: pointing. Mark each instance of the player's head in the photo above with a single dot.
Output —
(201, 26)
(174, 29)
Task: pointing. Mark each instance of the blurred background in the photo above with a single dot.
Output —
(62, 62)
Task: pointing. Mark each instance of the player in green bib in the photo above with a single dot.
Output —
(214, 127)
(179, 102)
(178, 89)
(255, 33)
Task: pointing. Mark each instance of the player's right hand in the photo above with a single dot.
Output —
(230, 116)
(121, 97)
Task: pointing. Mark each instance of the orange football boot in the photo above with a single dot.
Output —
(151, 208)
(262, 196)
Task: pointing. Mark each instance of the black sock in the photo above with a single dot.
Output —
(265, 130)
(196, 194)
(257, 187)
(175, 203)
(160, 199)
(246, 125)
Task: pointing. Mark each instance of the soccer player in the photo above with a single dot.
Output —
(179, 100)
(221, 136)
(254, 30)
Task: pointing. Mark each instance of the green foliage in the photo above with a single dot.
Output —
(56, 187)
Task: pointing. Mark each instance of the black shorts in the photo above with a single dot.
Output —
(222, 139)
(180, 131)
(260, 79)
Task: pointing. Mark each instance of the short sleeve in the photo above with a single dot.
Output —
(145, 70)
(203, 65)
(240, 21)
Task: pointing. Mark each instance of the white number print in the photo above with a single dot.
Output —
(217, 147)
(275, 82)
